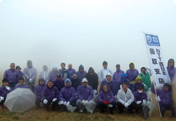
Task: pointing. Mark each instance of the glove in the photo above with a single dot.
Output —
(67, 104)
(1, 99)
(7, 87)
(30, 80)
(83, 102)
(138, 102)
(45, 101)
(158, 99)
(126, 105)
(105, 102)
(86, 102)
(108, 102)
(54, 99)
(95, 91)
(60, 102)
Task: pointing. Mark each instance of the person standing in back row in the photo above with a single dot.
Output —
(71, 70)
(132, 73)
(30, 74)
(102, 73)
(12, 75)
(65, 74)
(92, 78)
(44, 74)
(81, 73)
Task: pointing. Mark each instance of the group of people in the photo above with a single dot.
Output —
(69, 89)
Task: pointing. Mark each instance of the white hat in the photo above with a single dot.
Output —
(84, 80)
(74, 75)
(108, 74)
(54, 67)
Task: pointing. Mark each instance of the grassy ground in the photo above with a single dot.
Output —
(40, 114)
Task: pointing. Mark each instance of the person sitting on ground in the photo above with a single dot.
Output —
(4, 90)
(50, 95)
(67, 95)
(125, 99)
(165, 99)
(139, 96)
(106, 100)
(21, 84)
(38, 91)
(85, 96)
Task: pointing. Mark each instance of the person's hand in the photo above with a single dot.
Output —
(65, 103)
(86, 102)
(30, 80)
(45, 101)
(83, 102)
(138, 102)
(1, 98)
(68, 103)
(7, 87)
(54, 99)
(126, 105)
(105, 102)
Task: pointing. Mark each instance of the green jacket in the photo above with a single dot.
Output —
(146, 79)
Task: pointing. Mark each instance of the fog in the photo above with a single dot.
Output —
(86, 32)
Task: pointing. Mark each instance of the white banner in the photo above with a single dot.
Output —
(156, 59)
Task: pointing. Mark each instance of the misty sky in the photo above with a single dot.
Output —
(84, 32)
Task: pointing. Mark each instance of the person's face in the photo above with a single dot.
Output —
(63, 66)
(131, 66)
(59, 78)
(5, 83)
(124, 87)
(139, 81)
(143, 70)
(171, 64)
(81, 70)
(108, 78)
(105, 88)
(70, 66)
(67, 84)
(166, 88)
(118, 67)
(42, 82)
(84, 84)
(50, 84)
(74, 77)
(21, 81)
(12, 66)
(105, 66)
(54, 69)
(29, 65)
(124, 77)
(45, 68)
(18, 69)
(91, 73)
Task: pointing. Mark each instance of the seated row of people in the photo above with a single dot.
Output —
(83, 97)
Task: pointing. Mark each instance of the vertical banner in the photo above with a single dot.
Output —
(156, 59)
